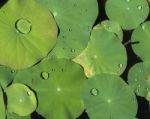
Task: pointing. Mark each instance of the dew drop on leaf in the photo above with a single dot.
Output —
(45, 75)
(120, 65)
(94, 92)
(29, 93)
(139, 7)
(23, 26)
(72, 50)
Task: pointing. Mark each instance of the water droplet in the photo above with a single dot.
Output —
(52, 69)
(120, 65)
(139, 7)
(45, 75)
(94, 92)
(12, 71)
(29, 93)
(23, 26)
(73, 50)
(70, 29)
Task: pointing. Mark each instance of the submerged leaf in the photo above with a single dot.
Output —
(114, 97)
(27, 33)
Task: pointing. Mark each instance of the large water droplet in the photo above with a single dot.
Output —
(45, 75)
(94, 92)
(139, 7)
(23, 26)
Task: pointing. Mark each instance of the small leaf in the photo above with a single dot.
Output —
(21, 100)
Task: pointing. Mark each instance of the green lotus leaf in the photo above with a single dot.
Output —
(75, 19)
(128, 13)
(2, 105)
(57, 83)
(104, 54)
(141, 36)
(139, 79)
(27, 32)
(6, 76)
(109, 93)
(14, 116)
(20, 99)
(114, 27)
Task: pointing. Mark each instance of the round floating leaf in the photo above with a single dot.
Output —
(5, 76)
(139, 78)
(104, 54)
(75, 19)
(27, 32)
(141, 38)
(14, 116)
(2, 105)
(59, 92)
(128, 13)
(114, 27)
(21, 100)
(109, 93)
